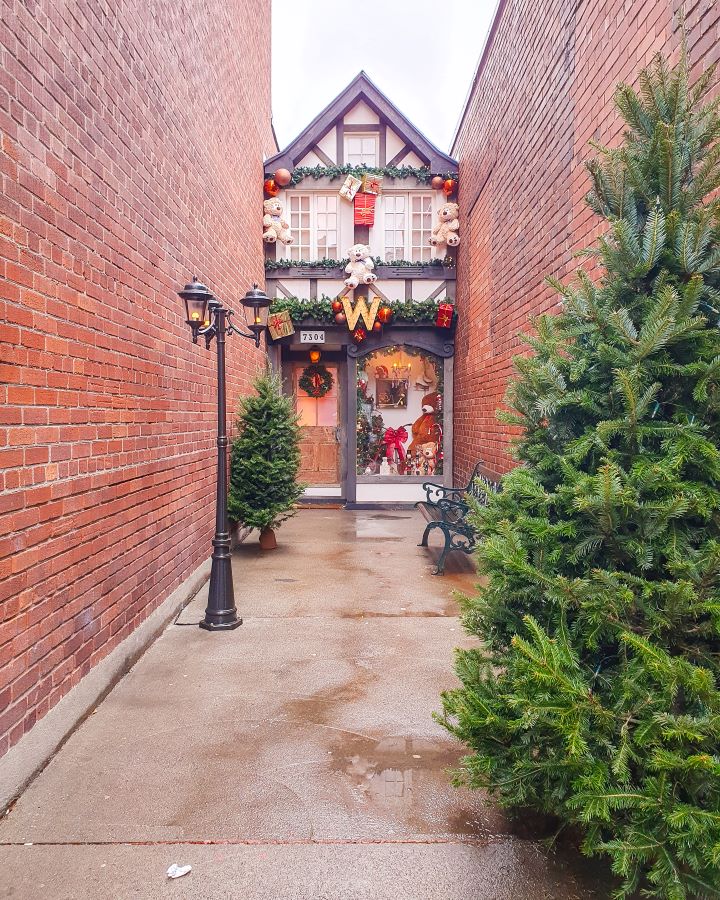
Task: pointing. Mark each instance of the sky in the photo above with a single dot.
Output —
(422, 55)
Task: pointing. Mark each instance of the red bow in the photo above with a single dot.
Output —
(393, 439)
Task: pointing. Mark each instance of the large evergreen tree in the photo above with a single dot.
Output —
(265, 457)
(596, 694)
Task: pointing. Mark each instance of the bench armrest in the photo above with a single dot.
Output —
(435, 492)
(454, 512)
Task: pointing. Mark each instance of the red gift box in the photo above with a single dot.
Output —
(444, 316)
(365, 209)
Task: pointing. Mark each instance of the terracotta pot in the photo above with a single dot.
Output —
(267, 539)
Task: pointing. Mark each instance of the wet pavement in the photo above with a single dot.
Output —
(295, 757)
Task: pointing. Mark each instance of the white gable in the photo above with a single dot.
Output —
(361, 114)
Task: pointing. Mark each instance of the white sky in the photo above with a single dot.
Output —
(422, 55)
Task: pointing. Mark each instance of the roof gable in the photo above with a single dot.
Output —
(361, 88)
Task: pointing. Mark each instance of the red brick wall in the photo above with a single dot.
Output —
(544, 90)
(131, 158)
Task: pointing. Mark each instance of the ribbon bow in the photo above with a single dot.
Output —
(393, 440)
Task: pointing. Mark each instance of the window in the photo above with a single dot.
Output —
(361, 150)
(407, 239)
(314, 225)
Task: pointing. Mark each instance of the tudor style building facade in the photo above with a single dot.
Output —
(359, 444)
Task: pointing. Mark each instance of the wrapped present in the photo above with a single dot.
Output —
(280, 325)
(444, 318)
(372, 184)
(365, 209)
(350, 187)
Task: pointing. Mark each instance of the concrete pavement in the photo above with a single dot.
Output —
(295, 757)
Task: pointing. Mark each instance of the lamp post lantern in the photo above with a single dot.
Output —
(207, 317)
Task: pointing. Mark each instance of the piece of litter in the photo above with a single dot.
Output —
(176, 871)
(29, 844)
(417, 756)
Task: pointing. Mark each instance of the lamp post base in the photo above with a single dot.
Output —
(220, 626)
(221, 612)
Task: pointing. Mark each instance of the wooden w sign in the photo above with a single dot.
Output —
(353, 313)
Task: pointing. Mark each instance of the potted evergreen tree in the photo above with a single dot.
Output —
(264, 460)
(596, 695)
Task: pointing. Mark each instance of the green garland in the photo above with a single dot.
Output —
(422, 174)
(316, 380)
(320, 310)
(325, 263)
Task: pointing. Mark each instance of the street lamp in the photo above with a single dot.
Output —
(207, 316)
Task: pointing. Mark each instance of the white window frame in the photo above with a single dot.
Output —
(416, 252)
(313, 251)
(365, 159)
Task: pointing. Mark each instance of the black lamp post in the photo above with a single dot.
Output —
(207, 316)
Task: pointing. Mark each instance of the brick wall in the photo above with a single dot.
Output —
(544, 89)
(132, 143)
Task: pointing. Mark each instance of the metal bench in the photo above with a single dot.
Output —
(445, 509)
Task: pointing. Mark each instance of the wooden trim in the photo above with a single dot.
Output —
(408, 288)
(361, 129)
(351, 433)
(438, 290)
(340, 143)
(448, 407)
(322, 156)
(283, 290)
(313, 288)
(382, 144)
(401, 154)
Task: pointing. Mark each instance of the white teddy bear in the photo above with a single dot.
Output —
(276, 228)
(360, 266)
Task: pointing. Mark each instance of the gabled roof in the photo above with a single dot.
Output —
(361, 88)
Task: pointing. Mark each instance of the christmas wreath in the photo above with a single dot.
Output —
(315, 380)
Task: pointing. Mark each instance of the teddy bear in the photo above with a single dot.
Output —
(446, 230)
(425, 428)
(276, 228)
(428, 458)
(360, 266)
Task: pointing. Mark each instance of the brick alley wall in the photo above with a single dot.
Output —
(543, 90)
(132, 139)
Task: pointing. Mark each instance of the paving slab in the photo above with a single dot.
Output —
(305, 735)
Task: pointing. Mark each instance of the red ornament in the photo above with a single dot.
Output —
(359, 335)
(271, 189)
(282, 177)
(444, 318)
(377, 326)
(365, 209)
(385, 315)
(437, 182)
(341, 318)
(449, 186)
(337, 306)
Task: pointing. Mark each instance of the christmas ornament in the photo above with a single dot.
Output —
(280, 325)
(359, 335)
(340, 318)
(381, 372)
(377, 326)
(350, 187)
(282, 177)
(437, 182)
(385, 315)
(444, 318)
(315, 380)
(360, 310)
(449, 186)
(336, 306)
(365, 209)
(271, 189)
(372, 184)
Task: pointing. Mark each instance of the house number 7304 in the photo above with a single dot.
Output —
(312, 337)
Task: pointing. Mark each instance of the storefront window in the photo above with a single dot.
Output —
(399, 413)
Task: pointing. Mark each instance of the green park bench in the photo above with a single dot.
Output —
(447, 510)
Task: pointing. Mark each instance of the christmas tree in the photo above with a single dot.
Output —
(596, 694)
(265, 457)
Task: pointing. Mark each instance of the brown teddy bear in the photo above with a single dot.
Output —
(428, 458)
(425, 428)
(276, 228)
(446, 230)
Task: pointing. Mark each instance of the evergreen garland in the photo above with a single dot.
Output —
(422, 174)
(265, 457)
(325, 263)
(596, 695)
(320, 310)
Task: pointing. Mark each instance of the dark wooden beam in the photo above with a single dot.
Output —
(322, 156)
(361, 129)
(400, 155)
(340, 152)
(382, 149)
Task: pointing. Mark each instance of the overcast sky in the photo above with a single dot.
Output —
(421, 54)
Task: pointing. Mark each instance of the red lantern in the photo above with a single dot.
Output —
(271, 189)
(377, 326)
(444, 318)
(385, 314)
(437, 182)
(341, 318)
(449, 186)
(359, 335)
(337, 306)
(282, 177)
